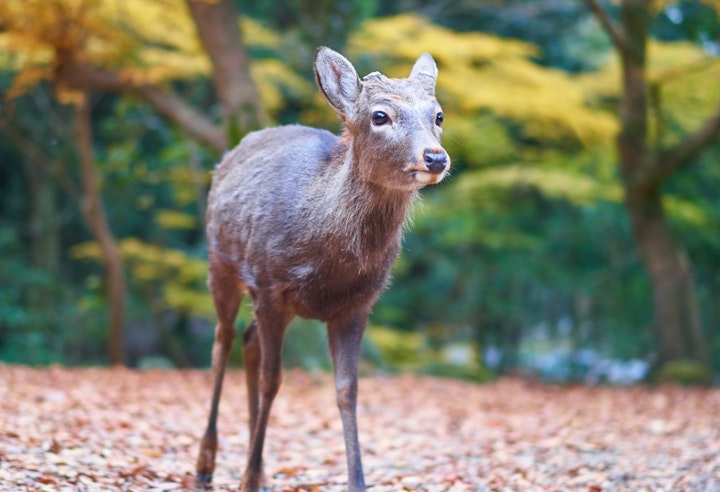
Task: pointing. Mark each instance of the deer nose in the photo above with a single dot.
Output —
(435, 161)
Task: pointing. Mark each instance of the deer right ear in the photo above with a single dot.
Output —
(337, 80)
(425, 72)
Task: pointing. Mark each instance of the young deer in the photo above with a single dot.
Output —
(309, 225)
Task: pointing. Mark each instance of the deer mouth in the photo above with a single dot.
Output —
(427, 177)
(424, 177)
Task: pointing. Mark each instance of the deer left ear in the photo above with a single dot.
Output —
(425, 73)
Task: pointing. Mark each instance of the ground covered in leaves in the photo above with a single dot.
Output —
(117, 429)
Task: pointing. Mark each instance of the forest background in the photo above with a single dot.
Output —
(577, 239)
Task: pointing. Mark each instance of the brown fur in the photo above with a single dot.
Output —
(309, 225)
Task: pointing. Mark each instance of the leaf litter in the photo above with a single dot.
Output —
(106, 429)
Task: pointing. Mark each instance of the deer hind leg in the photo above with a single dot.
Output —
(263, 344)
(251, 361)
(227, 292)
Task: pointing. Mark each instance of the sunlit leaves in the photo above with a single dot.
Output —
(277, 82)
(148, 42)
(404, 36)
(682, 83)
(181, 277)
(574, 187)
(172, 219)
(480, 72)
(130, 34)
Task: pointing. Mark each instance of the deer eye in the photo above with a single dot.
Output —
(380, 118)
(439, 118)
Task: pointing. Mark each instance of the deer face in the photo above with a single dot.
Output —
(399, 129)
(394, 125)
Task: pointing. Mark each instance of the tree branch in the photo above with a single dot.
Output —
(616, 35)
(185, 116)
(673, 159)
(219, 32)
(192, 121)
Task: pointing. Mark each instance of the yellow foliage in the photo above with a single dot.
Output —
(687, 212)
(181, 277)
(560, 183)
(171, 219)
(154, 40)
(407, 35)
(479, 139)
(255, 34)
(681, 74)
(275, 80)
(401, 349)
(146, 41)
(481, 72)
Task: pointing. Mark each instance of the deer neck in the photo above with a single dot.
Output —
(362, 220)
(369, 218)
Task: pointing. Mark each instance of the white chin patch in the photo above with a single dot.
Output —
(426, 178)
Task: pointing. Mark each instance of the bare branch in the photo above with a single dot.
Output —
(165, 103)
(673, 159)
(616, 35)
(185, 116)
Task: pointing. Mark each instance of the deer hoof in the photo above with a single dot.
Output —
(253, 482)
(202, 479)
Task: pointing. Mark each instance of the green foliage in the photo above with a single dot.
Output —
(396, 348)
(42, 321)
(528, 233)
(180, 278)
(415, 352)
(313, 22)
(685, 372)
(306, 346)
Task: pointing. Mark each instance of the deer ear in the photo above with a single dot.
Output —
(337, 80)
(425, 73)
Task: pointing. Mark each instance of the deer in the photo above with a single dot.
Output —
(309, 224)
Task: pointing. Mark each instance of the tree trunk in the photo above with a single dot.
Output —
(219, 33)
(677, 320)
(677, 323)
(217, 25)
(95, 217)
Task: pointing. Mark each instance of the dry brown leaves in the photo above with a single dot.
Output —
(118, 429)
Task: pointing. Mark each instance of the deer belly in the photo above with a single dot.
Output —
(325, 295)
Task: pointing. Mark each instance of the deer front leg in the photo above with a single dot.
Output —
(266, 376)
(345, 337)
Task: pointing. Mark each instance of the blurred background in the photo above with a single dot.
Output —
(578, 238)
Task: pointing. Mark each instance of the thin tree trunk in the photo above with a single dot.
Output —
(95, 217)
(44, 236)
(43, 223)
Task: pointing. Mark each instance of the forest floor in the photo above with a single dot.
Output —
(96, 429)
